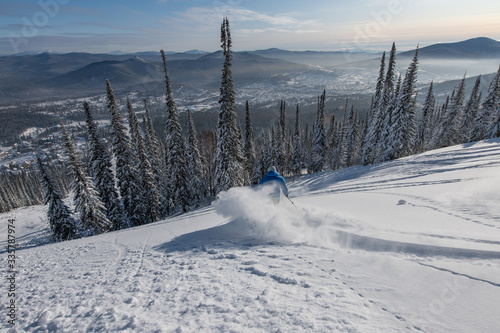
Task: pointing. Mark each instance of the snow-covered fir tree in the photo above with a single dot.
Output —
(196, 177)
(175, 150)
(492, 103)
(401, 140)
(297, 153)
(228, 158)
(387, 105)
(471, 110)
(385, 148)
(390, 79)
(100, 169)
(93, 220)
(375, 121)
(333, 137)
(128, 178)
(281, 139)
(61, 223)
(342, 153)
(151, 193)
(424, 126)
(156, 154)
(353, 139)
(494, 129)
(484, 119)
(448, 132)
(319, 146)
(249, 150)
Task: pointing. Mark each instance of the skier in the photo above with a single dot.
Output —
(273, 178)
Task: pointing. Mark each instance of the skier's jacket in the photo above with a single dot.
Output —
(274, 177)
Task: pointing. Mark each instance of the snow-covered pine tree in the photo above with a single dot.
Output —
(264, 159)
(375, 121)
(333, 137)
(100, 169)
(471, 110)
(249, 151)
(289, 150)
(449, 129)
(281, 139)
(318, 152)
(389, 90)
(340, 152)
(228, 159)
(353, 138)
(61, 223)
(297, 155)
(402, 138)
(424, 127)
(196, 178)
(156, 154)
(484, 119)
(492, 102)
(151, 194)
(306, 147)
(385, 142)
(387, 105)
(129, 180)
(494, 129)
(93, 220)
(175, 149)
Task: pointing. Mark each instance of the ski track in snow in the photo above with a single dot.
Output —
(325, 265)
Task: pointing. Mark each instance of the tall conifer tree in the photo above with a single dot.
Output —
(484, 119)
(129, 180)
(319, 141)
(93, 219)
(249, 151)
(151, 195)
(297, 155)
(449, 129)
(228, 159)
(61, 223)
(156, 154)
(375, 121)
(196, 178)
(100, 168)
(402, 138)
(175, 149)
(424, 127)
(471, 110)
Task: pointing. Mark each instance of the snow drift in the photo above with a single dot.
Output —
(405, 246)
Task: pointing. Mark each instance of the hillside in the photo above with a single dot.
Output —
(475, 48)
(409, 245)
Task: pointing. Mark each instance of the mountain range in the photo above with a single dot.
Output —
(38, 76)
(475, 48)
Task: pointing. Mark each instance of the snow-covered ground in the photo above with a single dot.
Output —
(409, 245)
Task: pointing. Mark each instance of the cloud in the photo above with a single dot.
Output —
(198, 16)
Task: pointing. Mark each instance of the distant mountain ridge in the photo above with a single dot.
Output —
(204, 69)
(481, 47)
(41, 75)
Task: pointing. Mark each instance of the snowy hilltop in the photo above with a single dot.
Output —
(407, 245)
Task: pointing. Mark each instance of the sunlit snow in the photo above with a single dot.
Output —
(411, 245)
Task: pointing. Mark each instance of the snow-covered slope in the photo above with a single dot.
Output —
(409, 245)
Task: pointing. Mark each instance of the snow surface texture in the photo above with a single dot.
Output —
(411, 245)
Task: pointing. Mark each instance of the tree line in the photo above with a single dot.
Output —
(146, 178)
(23, 188)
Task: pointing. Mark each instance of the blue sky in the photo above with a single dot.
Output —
(180, 25)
